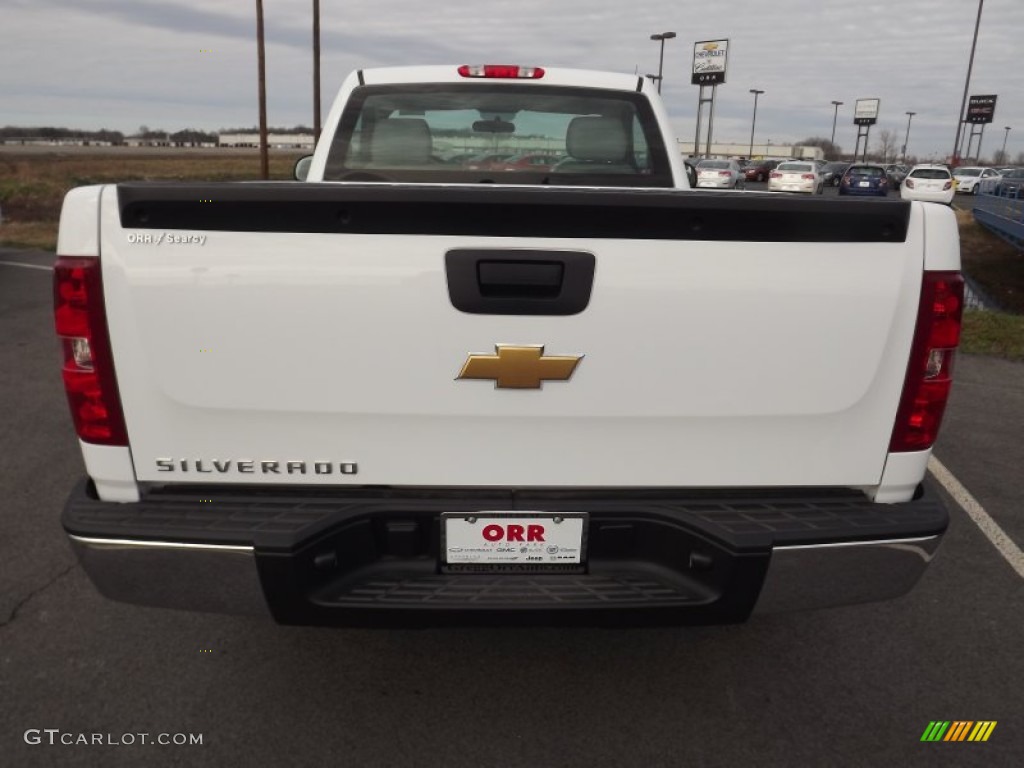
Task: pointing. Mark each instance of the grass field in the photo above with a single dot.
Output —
(32, 187)
(996, 334)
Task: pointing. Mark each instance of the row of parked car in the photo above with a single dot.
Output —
(937, 183)
(782, 175)
(1005, 182)
(929, 182)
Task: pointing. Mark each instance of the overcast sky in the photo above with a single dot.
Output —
(176, 64)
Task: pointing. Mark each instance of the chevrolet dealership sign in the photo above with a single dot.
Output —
(709, 62)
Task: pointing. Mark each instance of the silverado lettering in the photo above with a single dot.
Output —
(249, 465)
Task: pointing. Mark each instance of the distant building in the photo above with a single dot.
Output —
(761, 151)
(35, 141)
(139, 141)
(274, 140)
(164, 141)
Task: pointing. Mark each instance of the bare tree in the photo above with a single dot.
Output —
(887, 144)
(832, 151)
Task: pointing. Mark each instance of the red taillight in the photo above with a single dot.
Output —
(88, 371)
(909, 183)
(846, 181)
(807, 176)
(947, 186)
(725, 173)
(776, 175)
(508, 71)
(929, 372)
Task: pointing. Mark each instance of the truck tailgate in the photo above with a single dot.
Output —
(305, 333)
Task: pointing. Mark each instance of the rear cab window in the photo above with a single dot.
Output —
(867, 170)
(930, 173)
(476, 132)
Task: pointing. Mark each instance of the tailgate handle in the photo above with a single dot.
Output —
(523, 279)
(519, 282)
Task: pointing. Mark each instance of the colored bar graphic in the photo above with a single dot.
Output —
(958, 730)
(982, 730)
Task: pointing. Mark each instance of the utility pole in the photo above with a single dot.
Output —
(316, 71)
(753, 122)
(835, 116)
(906, 139)
(1005, 137)
(837, 104)
(264, 157)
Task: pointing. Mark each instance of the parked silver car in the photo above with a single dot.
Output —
(796, 176)
(719, 174)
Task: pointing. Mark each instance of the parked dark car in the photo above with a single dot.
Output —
(896, 174)
(865, 180)
(691, 173)
(1011, 184)
(837, 169)
(758, 170)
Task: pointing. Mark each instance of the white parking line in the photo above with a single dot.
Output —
(26, 266)
(1007, 548)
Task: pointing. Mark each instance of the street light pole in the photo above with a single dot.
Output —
(1005, 137)
(967, 84)
(662, 37)
(753, 122)
(835, 116)
(906, 139)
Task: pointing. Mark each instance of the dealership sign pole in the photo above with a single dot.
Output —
(955, 159)
(980, 111)
(709, 59)
(865, 114)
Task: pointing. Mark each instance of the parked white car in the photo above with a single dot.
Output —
(719, 174)
(929, 183)
(969, 179)
(796, 176)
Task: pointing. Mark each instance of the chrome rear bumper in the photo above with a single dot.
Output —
(200, 577)
(224, 578)
(826, 575)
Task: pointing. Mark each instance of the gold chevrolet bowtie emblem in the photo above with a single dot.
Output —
(519, 367)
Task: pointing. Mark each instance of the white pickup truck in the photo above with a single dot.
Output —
(494, 361)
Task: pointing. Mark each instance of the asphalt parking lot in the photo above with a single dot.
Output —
(847, 686)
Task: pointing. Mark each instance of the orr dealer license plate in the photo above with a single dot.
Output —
(513, 540)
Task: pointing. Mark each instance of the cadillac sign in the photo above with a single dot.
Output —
(709, 62)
